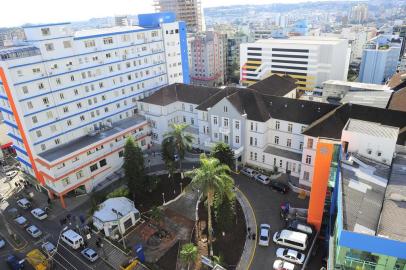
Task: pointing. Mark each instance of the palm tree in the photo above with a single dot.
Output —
(180, 140)
(212, 178)
(224, 154)
(188, 253)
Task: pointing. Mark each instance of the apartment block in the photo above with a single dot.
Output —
(380, 59)
(189, 11)
(310, 60)
(69, 98)
(208, 58)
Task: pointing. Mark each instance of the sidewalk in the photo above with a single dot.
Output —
(250, 245)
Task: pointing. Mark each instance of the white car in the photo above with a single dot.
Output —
(38, 213)
(249, 172)
(264, 235)
(24, 203)
(290, 255)
(283, 265)
(2, 242)
(34, 231)
(11, 174)
(48, 248)
(22, 221)
(90, 254)
(263, 179)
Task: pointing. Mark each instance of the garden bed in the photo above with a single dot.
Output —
(230, 246)
(169, 186)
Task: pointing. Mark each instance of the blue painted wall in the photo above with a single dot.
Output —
(152, 20)
(184, 52)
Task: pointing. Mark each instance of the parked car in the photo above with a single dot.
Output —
(300, 226)
(48, 248)
(90, 254)
(38, 213)
(264, 235)
(11, 174)
(34, 231)
(262, 178)
(24, 203)
(14, 262)
(6, 168)
(22, 221)
(279, 187)
(290, 255)
(283, 265)
(249, 172)
(2, 242)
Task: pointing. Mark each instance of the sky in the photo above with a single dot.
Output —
(18, 12)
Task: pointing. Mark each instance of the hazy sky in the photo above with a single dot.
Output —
(18, 12)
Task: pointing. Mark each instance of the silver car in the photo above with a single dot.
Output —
(290, 255)
(90, 254)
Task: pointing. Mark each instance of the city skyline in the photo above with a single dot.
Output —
(68, 11)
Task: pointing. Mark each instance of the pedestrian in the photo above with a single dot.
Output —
(49, 200)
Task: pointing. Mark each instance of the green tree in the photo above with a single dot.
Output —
(224, 213)
(168, 154)
(134, 169)
(224, 154)
(119, 192)
(157, 214)
(212, 178)
(180, 140)
(188, 254)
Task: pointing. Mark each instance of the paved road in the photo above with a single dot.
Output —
(266, 204)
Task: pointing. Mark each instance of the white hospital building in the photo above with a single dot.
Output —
(69, 97)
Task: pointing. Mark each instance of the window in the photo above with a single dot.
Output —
(103, 162)
(225, 109)
(255, 141)
(49, 47)
(290, 127)
(237, 124)
(108, 40)
(308, 159)
(225, 122)
(276, 140)
(39, 133)
(310, 143)
(90, 43)
(289, 143)
(255, 156)
(251, 155)
(301, 145)
(65, 181)
(225, 138)
(280, 163)
(215, 120)
(252, 126)
(79, 174)
(45, 31)
(29, 105)
(183, 106)
(67, 44)
(50, 115)
(121, 154)
(34, 119)
(251, 140)
(93, 167)
(379, 153)
(306, 176)
(57, 141)
(41, 86)
(277, 125)
(65, 109)
(263, 158)
(191, 108)
(303, 128)
(237, 139)
(25, 89)
(215, 135)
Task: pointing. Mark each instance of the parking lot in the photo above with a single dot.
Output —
(266, 205)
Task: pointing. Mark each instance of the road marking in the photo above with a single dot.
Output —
(73, 254)
(256, 229)
(62, 264)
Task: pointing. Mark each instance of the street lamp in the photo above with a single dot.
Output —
(181, 187)
(163, 197)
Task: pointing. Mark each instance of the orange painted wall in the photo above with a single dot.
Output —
(20, 126)
(324, 155)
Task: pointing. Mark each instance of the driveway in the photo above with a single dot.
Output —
(266, 204)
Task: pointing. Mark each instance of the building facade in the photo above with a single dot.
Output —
(69, 98)
(208, 58)
(380, 59)
(189, 11)
(310, 60)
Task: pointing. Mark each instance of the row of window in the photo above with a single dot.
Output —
(290, 166)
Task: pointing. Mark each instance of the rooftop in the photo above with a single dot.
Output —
(114, 208)
(364, 183)
(320, 40)
(103, 31)
(371, 128)
(393, 218)
(358, 85)
(85, 141)
(283, 153)
(379, 99)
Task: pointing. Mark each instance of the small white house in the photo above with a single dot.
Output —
(115, 216)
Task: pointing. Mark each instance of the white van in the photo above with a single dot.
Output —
(73, 239)
(291, 239)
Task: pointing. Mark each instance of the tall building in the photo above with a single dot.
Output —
(69, 98)
(233, 56)
(8, 35)
(310, 60)
(359, 13)
(380, 59)
(189, 11)
(208, 58)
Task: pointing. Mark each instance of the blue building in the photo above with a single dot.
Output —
(380, 59)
